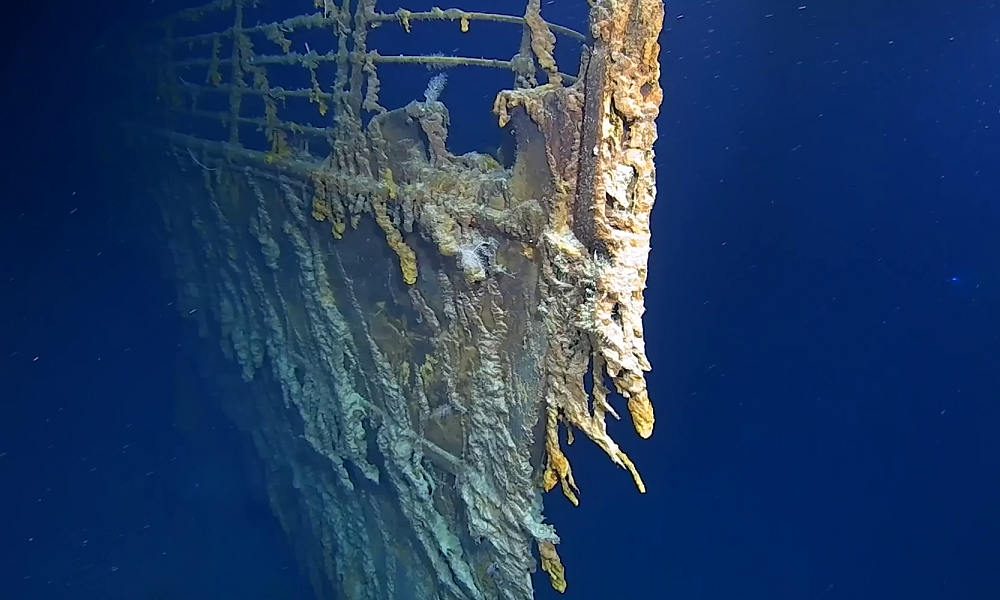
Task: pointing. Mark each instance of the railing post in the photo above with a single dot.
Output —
(235, 94)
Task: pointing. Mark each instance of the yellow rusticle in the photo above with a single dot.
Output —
(557, 469)
(404, 19)
(407, 258)
(390, 184)
(552, 565)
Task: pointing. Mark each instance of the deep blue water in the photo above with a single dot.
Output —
(823, 293)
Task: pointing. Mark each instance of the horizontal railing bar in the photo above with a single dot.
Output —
(190, 14)
(294, 58)
(287, 26)
(321, 132)
(443, 61)
(318, 20)
(276, 92)
(230, 151)
(457, 14)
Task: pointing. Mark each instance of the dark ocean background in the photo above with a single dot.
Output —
(824, 292)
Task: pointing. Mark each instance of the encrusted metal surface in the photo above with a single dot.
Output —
(415, 325)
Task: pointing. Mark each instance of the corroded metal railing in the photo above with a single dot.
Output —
(244, 72)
